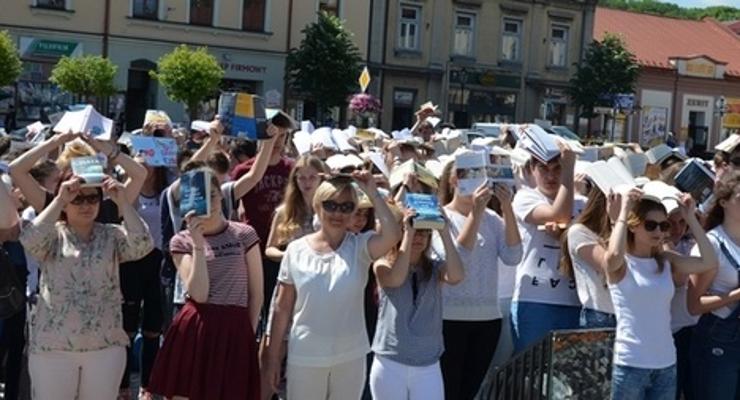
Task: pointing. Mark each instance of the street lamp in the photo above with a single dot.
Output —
(463, 103)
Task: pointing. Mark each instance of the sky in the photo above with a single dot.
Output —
(704, 3)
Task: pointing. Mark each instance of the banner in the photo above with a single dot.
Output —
(732, 117)
(653, 127)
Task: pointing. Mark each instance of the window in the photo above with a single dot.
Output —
(147, 9)
(408, 29)
(52, 4)
(201, 12)
(558, 56)
(253, 16)
(330, 7)
(464, 34)
(511, 40)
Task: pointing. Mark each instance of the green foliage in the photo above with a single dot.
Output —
(608, 68)
(326, 66)
(85, 76)
(10, 63)
(189, 76)
(721, 13)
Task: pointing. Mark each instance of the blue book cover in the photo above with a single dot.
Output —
(243, 115)
(428, 214)
(156, 151)
(195, 193)
(90, 169)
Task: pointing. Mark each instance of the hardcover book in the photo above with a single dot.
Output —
(243, 115)
(428, 214)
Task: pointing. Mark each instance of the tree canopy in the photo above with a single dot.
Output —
(720, 13)
(85, 76)
(10, 63)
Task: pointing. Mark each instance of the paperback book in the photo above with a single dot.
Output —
(424, 175)
(428, 214)
(537, 141)
(195, 193)
(90, 169)
(243, 115)
(86, 120)
(156, 151)
(696, 179)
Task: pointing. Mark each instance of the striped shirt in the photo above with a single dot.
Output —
(226, 261)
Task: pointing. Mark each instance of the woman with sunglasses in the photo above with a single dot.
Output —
(320, 294)
(408, 342)
(472, 318)
(642, 275)
(715, 347)
(78, 345)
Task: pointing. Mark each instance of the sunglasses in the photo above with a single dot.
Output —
(651, 225)
(344, 208)
(89, 199)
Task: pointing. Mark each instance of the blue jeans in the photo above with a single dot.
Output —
(630, 383)
(596, 319)
(531, 322)
(715, 358)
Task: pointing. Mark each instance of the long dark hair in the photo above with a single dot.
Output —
(596, 218)
(723, 190)
(636, 217)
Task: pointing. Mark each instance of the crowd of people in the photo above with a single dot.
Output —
(308, 279)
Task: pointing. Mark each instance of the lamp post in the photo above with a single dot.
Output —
(463, 103)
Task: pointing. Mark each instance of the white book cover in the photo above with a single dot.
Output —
(307, 126)
(86, 120)
(379, 161)
(302, 142)
(663, 193)
(636, 163)
(200, 125)
(602, 175)
(471, 171)
(403, 134)
(729, 144)
(341, 139)
(618, 168)
(537, 141)
(338, 162)
(323, 136)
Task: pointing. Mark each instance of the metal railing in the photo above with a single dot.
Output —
(568, 364)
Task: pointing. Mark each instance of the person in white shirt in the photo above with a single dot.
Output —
(715, 346)
(544, 299)
(321, 295)
(641, 275)
(586, 243)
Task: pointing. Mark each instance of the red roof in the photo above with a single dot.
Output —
(655, 40)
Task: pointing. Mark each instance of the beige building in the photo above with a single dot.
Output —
(250, 38)
(480, 60)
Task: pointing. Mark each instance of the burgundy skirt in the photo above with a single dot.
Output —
(209, 352)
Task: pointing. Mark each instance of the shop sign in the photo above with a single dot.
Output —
(237, 67)
(273, 99)
(42, 48)
(700, 67)
(732, 118)
(697, 103)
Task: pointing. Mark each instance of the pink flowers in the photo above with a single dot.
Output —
(363, 103)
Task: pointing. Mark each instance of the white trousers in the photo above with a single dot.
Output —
(390, 380)
(84, 375)
(339, 382)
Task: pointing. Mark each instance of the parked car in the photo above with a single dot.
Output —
(488, 129)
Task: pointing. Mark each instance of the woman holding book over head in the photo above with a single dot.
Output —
(77, 344)
(715, 347)
(210, 351)
(321, 282)
(408, 342)
(544, 299)
(472, 318)
(642, 275)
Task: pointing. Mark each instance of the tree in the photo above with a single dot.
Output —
(326, 66)
(85, 76)
(607, 69)
(10, 63)
(721, 13)
(189, 76)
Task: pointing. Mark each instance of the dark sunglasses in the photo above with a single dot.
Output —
(89, 199)
(344, 208)
(651, 225)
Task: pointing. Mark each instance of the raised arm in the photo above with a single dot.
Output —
(707, 258)
(20, 169)
(452, 271)
(249, 180)
(135, 172)
(388, 232)
(469, 232)
(561, 209)
(192, 267)
(392, 273)
(612, 260)
(8, 213)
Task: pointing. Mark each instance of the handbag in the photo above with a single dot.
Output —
(12, 291)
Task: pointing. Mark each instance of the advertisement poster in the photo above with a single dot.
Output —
(731, 119)
(654, 123)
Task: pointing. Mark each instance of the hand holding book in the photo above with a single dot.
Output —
(115, 190)
(69, 189)
(687, 205)
(195, 227)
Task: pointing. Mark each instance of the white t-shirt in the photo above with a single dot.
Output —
(591, 286)
(538, 278)
(328, 324)
(642, 304)
(726, 279)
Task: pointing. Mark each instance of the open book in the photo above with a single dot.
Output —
(660, 153)
(695, 178)
(339, 162)
(537, 141)
(662, 193)
(610, 176)
(471, 169)
(423, 174)
(729, 144)
(428, 214)
(195, 193)
(281, 119)
(86, 120)
(243, 115)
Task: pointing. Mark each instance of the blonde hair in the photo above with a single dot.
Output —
(73, 149)
(332, 188)
(293, 210)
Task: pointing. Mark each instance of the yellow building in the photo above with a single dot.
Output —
(250, 38)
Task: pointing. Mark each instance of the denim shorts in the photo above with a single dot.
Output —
(631, 383)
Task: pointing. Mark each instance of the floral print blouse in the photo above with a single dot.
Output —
(79, 304)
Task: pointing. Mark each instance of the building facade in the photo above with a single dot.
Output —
(689, 81)
(250, 38)
(480, 60)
